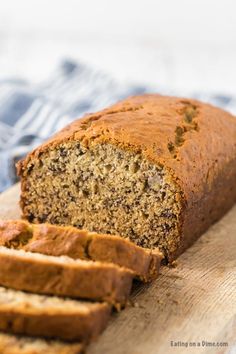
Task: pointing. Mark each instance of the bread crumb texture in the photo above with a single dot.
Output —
(10, 344)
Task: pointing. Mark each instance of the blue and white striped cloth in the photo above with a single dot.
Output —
(29, 114)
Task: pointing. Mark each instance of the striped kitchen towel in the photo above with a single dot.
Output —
(29, 114)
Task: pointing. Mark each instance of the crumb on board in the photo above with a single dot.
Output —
(173, 264)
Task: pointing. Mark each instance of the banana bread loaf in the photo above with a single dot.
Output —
(37, 315)
(10, 344)
(157, 169)
(56, 240)
(63, 276)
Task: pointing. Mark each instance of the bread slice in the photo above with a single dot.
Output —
(37, 315)
(11, 344)
(58, 240)
(159, 170)
(64, 276)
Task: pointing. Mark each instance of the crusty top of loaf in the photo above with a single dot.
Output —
(184, 135)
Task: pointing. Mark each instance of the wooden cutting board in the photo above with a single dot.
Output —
(185, 308)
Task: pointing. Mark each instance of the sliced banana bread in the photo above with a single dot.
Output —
(157, 169)
(37, 315)
(64, 276)
(69, 241)
(10, 344)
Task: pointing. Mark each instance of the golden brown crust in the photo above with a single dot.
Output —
(196, 142)
(145, 263)
(69, 241)
(58, 240)
(70, 327)
(14, 233)
(64, 277)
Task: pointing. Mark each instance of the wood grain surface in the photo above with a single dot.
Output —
(191, 304)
